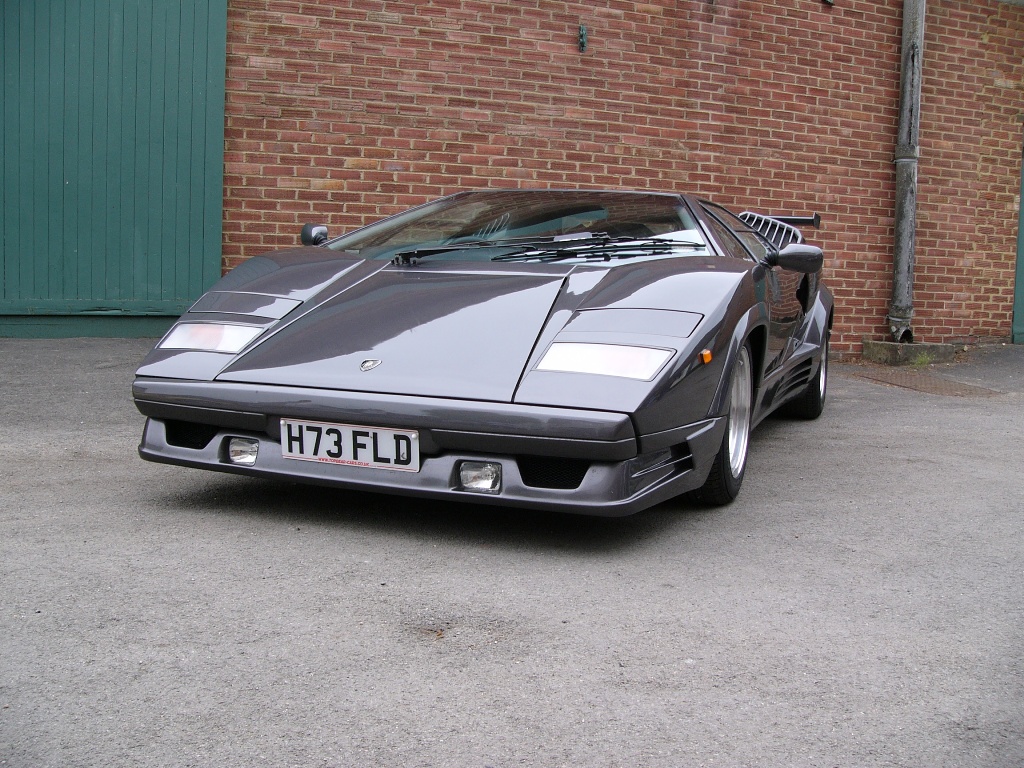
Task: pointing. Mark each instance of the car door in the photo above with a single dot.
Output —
(785, 308)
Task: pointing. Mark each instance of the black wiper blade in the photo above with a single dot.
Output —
(600, 247)
(411, 257)
(520, 243)
(572, 246)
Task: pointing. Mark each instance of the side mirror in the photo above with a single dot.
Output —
(798, 257)
(314, 234)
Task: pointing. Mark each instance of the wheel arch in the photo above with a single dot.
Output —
(752, 329)
(758, 338)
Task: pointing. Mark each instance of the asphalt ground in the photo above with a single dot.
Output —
(860, 604)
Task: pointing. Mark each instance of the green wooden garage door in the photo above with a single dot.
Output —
(112, 137)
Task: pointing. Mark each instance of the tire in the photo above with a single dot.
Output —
(726, 476)
(811, 401)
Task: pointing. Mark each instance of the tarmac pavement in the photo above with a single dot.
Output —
(860, 604)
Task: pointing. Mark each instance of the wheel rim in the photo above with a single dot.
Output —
(739, 413)
(823, 372)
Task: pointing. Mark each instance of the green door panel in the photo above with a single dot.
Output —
(112, 139)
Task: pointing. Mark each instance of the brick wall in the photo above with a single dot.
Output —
(343, 112)
(969, 172)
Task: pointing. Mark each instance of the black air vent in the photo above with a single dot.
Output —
(798, 379)
(549, 472)
(187, 434)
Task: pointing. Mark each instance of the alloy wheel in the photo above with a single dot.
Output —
(739, 413)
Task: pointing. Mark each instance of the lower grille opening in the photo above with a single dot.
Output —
(552, 472)
(187, 434)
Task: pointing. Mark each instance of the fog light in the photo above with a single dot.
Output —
(243, 450)
(480, 476)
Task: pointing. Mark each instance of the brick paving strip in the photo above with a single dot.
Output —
(922, 382)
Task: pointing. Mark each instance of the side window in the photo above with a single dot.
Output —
(725, 237)
(754, 244)
(751, 241)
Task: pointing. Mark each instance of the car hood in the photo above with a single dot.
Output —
(463, 333)
(461, 330)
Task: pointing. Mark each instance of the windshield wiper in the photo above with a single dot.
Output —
(521, 244)
(600, 247)
(573, 246)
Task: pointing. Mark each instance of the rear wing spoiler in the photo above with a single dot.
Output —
(780, 230)
(813, 220)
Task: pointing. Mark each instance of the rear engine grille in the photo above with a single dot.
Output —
(551, 472)
(187, 434)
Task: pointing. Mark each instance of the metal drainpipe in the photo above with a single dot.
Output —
(1017, 328)
(901, 308)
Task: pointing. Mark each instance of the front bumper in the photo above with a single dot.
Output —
(619, 472)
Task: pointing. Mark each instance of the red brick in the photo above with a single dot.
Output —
(779, 106)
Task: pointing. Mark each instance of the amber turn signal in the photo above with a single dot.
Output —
(705, 356)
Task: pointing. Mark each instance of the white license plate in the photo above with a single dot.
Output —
(351, 445)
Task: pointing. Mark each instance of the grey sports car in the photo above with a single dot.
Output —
(590, 351)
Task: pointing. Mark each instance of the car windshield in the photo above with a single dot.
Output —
(521, 224)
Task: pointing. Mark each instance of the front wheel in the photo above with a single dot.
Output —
(726, 476)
